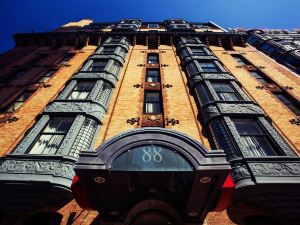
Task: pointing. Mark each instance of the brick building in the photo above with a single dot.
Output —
(133, 122)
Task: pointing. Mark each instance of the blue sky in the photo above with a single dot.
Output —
(45, 15)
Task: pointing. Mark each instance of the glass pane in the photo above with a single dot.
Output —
(197, 51)
(108, 50)
(78, 95)
(152, 107)
(247, 127)
(192, 69)
(152, 79)
(257, 146)
(59, 125)
(151, 158)
(227, 96)
(153, 59)
(240, 61)
(24, 96)
(84, 86)
(258, 76)
(152, 97)
(285, 100)
(208, 67)
(43, 79)
(152, 73)
(47, 144)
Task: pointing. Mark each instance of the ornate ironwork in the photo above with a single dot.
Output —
(295, 121)
(133, 120)
(167, 85)
(172, 121)
(138, 85)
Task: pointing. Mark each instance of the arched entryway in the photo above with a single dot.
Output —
(167, 170)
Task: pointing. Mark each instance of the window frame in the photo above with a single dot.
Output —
(73, 91)
(209, 70)
(92, 67)
(261, 137)
(158, 102)
(219, 92)
(150, 55)
(15, 101)
(52, 134)
(152, 76)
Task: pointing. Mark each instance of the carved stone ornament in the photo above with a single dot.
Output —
(239, 108)
(93, 109)
(277, 137)
(152, 117)
(217, 76)
(239, 172)
(275, 168)
(16, 166)
(210, 112)
(111, 78)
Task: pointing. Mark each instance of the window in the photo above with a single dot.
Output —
(198, 51)
(268, 49)
(98, 65)
(208, 67)
(253, 137)
(19, 101)
(192, 69)
(51, 137)
(153, 25)
(47, 76)
(258, 76)
(108, 50)
(225, 91)
(240, 60)
(152, 102)
(66, 58)
(81, 90)
(191, 41)
(288, 102)
(152, 58)
(152, 75)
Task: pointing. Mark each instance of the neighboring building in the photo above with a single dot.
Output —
(281, 45)
(185, 122)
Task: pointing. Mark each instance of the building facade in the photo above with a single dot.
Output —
(281, 45)
(135, 122)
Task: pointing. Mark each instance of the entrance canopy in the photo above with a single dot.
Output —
(153, 164)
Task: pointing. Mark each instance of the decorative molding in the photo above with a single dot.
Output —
(277, 137)
(239, 172)
(275, 168)
(239, 108)
(90, 108)
(37, 166)
(69, 139)
(217, 76)
(96, 89)
(236, 137)
(67, 90)
(109, 77)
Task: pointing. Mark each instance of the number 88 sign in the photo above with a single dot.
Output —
(152, 153)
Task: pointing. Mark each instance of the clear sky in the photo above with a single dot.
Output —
(45, 15)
